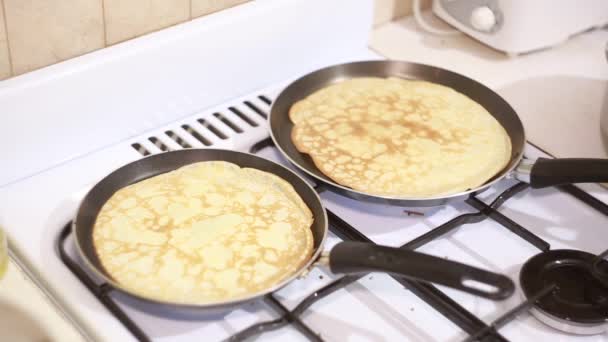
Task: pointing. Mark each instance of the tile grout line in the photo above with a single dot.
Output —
(103, 22)
(8, 43)
(190, 9)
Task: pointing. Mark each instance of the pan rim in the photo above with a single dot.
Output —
(215, 304)
(514, 161)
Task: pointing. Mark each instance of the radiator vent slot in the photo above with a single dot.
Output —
(265, 99)
(161, 146)
(197, 135)
(237, 120)
(243, 117)
(142, 150)
(228, 123)
(212, 128)
(181, 142)
(256, 109)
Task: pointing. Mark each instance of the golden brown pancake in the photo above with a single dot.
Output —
(399, 138)
(207, 232)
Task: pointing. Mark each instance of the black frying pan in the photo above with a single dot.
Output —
(540, 173)
(346, 257)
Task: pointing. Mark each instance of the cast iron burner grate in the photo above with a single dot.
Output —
(468, 322)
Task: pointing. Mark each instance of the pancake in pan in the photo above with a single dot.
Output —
(207, 232)
(400, 138)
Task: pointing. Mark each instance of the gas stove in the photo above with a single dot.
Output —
(84, 118)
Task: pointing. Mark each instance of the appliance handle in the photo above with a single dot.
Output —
(546, 172)
(357, 257)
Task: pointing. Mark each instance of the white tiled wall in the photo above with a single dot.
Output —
(43, 32)
(202, 7)
(37, 33)
(129, 19)
(5, 66)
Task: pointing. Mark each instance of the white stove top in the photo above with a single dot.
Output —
(389, 311)
(38, 197)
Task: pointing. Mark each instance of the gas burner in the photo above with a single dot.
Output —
(577, 301)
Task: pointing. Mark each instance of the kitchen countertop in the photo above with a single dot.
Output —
(27, 314)
(568, 81)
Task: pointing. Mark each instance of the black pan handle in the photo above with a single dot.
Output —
(358, 257)
(548, 172)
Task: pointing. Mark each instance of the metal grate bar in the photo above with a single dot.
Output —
(293, 318)
(101, 292)
(507, 194)
(511, 314)
(258, 329)
(586, 198)
(288, 317)
(260, 145)
(451, 310)
(511, 225)
(343, 229)
(445, 228)
(428, 293)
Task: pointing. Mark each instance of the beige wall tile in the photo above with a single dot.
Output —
(126, 19)
(5, 65)
(387, 10)
(43, 32)
(202, 7)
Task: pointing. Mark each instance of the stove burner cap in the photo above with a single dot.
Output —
(579, 301)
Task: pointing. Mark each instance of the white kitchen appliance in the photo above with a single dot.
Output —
(520, 26)
(210, 83)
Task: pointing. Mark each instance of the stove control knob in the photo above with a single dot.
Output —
(483, 19)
